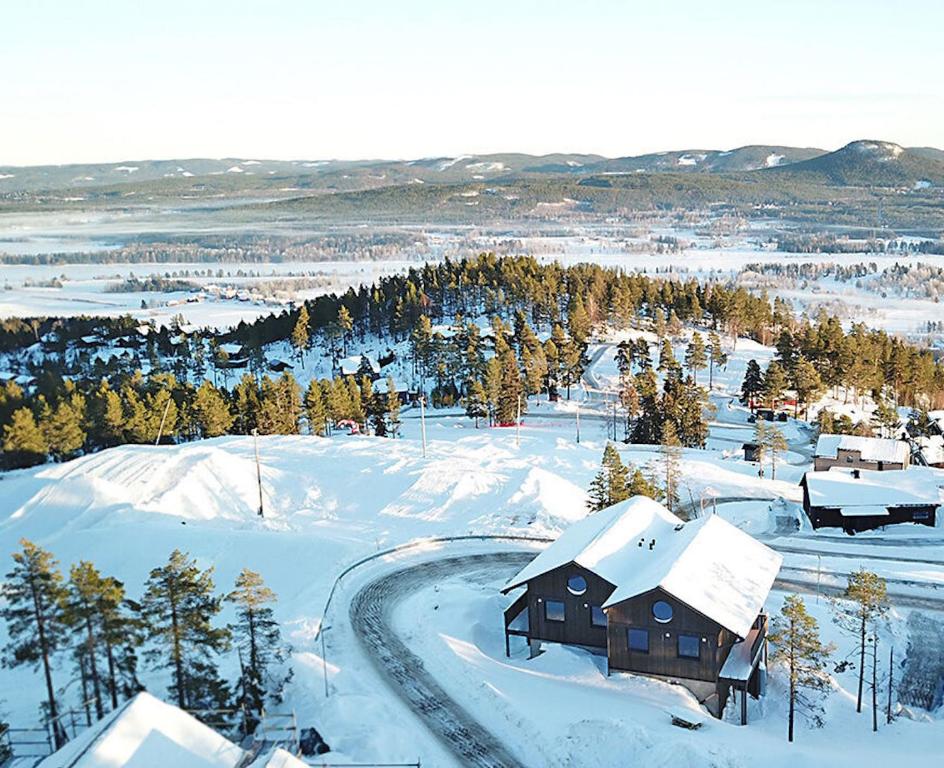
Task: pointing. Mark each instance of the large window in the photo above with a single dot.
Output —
(553, 610)
(576, 585)
(689, 647)
(662, 612)
(638, 640)
(597, 616)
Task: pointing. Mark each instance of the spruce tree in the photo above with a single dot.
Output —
(806, 382)
(753, 384)
(34, 597)
(775, 382)
(863, 605)
(179, 608)
(345, 325)
(716, 357)
(797, 645)
(776, 445)
(510, 397)
(476, 404)
(610, 485)
(211, 413)
(23, 441)
(259, 641)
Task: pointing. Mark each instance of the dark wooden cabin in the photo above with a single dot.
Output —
(625, 581)
(857, 500)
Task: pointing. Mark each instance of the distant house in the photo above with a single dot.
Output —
(871, 453)
(661, 597)
(279, 366)
(752, 451)
(861, 499)
(360, 365)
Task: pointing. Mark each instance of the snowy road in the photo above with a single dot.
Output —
(371, 619)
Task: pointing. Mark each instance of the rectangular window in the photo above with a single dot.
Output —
(597, 616)
(553, 610)
(689, 647)
(638, 640)
(921, 514)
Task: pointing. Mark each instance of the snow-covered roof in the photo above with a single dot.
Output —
(840, 488)
(708, 564)
(352, 364)
(380, 386)
(147, 732)
(932, 448)
(277, 758)
(89, 339)
(143, 330)
(870, 448)
(231, 348)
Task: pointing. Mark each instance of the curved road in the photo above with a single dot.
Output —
(371, 615)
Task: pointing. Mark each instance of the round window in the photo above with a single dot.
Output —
(576, 585)
(662, 611)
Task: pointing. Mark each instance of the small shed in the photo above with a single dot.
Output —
(752, 451)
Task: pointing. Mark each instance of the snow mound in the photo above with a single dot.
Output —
(773, 160)
(883, 151)
(146, 733)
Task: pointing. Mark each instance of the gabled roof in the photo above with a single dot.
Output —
(840, 488)
(708, 564)
(870, 448)
(145, 732)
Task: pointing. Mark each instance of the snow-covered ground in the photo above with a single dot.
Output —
(331, 502)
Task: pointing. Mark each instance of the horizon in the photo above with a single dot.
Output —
(104, 83)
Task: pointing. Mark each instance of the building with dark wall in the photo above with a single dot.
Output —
(861, 500)
(855, 452)
(661, 597)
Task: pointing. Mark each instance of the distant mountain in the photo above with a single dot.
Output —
(750, 158)
(873, 163)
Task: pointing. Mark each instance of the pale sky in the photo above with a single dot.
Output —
(109, 80)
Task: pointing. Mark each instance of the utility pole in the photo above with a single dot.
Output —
(423, 422)
(160, 430)
(324, 659)
(578, 422)
(891, 672)
(255, 441)
(518, 425)
(614, 421)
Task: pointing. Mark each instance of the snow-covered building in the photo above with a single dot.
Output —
(873, 453)
(682, 601)
(861, 499)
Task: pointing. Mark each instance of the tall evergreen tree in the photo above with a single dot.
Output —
(34, 597)
(863, 605)
(23, 441)
(775, 382)
(797, 645)
(300, 334)
(716, 357)
(259, 641)
(210, 411)
(179, 607)
(695, 358)
(510, 397)
(393, 407)
(753, 385)
(315, 409)
(610, 484)
(670, 458)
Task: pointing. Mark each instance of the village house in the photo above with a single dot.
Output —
(680, 601)
(861, 499)
(872, 453)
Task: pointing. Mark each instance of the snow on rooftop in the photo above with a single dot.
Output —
(351, 365)
(839, 487)
(709, 564)
(870, 448)
(144, 733)
(277, 758)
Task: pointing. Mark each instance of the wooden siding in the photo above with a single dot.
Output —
(577, 628)
(853, 460)
(662, 659)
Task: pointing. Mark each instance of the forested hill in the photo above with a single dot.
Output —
(477, 332)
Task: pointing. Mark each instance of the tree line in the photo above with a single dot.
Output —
(88, 620)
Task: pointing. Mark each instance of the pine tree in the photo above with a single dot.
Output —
(211, 413)
(82, 615)
(716, 357)
(476, 402)
(33, 599)
(578, 321)
(300, 335)
(772, 444)
(886, 417)
(510, 396)
(493, 384)
(610, 484)
(259, 641)
(63, 428)
(670, 457)
(695, 358)
(864, 603)
(795, 637)
(246, 404)
(23, 441)
(640, 485)
(315, 409)
(775, 382)
(179, 608)
(346, 326)
(393, 407)
(806, 383)
(753, 384)
(667, 361)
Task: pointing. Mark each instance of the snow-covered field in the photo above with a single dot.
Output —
(331, 502)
